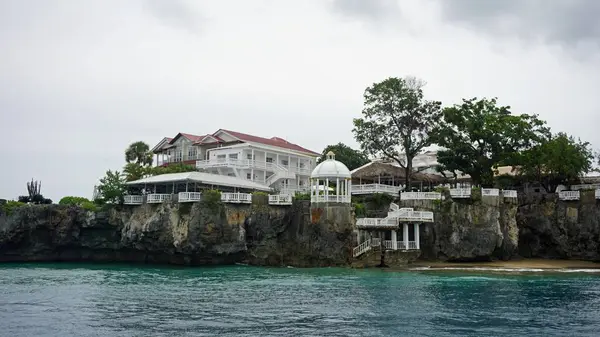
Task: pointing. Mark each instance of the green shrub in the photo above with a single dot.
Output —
(75, 201)
(360, 210)
(211, 196)
(380, 200)
(302, 196)
(260, 193)
(8, 207)
(89, 206)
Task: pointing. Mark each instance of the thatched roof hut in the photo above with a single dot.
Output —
(378, 171)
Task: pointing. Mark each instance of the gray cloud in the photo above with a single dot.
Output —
(565, 22)
(370, 9)
(176, 13)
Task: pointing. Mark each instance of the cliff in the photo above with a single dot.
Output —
(188, 234)
(472, 229)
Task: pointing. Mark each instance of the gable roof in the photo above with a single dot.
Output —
(275, 141)
(189, 136)
(205, 137)
(161, 144)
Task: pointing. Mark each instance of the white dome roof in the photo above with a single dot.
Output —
(331, 168)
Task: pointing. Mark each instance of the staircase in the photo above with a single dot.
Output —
(280, 172)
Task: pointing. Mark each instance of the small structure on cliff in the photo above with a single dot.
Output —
(382, 233)
(327, 173)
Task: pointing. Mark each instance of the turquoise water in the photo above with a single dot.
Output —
(119, 300)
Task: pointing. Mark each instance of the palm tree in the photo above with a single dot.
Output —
(139, 152)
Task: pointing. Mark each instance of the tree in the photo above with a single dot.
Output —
(478, 135)
(139, 152)
(135, 171)
(350, 157)
(112, 188)
(557, 161)
(173, 168)
(396, 118)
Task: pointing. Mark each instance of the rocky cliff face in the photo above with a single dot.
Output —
(474, 229)
(549, 228)
(190, 234)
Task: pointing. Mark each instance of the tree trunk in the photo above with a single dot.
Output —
(408, 173)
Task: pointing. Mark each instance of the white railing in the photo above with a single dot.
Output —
(388, 244)
(420, 196)
(237, 198)
(362, 248)
(133, 200)
(376, 222)
(401, 245)
(509, 193)
(412, 245)
(280, 199)
(394, 207)
(422, 216)
(376, 242)
(585, 187)
(189, 196)
(330, 198)
(597, 193)
(158, 198)
(490, 192)
(568, 195)
(460, 192)
(375, 188)
(240, 163)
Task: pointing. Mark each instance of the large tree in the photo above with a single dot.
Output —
(478, 135)
(350, 157)
(112, 188)
(559, 160)
(139, 153)
(396, 118)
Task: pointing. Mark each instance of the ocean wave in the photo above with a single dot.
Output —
(510, 270)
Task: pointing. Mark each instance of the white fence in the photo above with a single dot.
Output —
(420, 196)
(420, 216)
(375, 188)
(133, 200)
(330, 198)
(189, 196)
(460, 192)
(509, 193)
(568, 195)
(280, 199)
(376, 222)
(490, 192)
(237, 198)
(158, 198)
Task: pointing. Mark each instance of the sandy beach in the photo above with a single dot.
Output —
(516, 264)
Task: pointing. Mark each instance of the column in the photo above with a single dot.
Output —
(394, 240)
(417, 238)
(337, 189)
(326, 188)
(405, 235)
(252, 165)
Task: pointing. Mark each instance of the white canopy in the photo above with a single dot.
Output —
(201, 178)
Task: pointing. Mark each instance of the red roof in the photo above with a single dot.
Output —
(191, 137)
(275, 141)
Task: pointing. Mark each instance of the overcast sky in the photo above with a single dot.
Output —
(80, 80)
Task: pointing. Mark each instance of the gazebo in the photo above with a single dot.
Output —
(327, 173)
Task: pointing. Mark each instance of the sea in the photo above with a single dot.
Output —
(132, 300)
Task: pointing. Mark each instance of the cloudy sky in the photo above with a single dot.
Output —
(80, 80)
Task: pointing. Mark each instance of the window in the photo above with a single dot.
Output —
(231, 174)
(249, 156)
(269, 160)
(249, 176)
(233, 156)
(284, 162)
(301, 165)
(192, 151)
(221, 156)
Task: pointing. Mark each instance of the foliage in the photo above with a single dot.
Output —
(173, 168)
(8, 207)
(89, 206)
(350, 157)
(301, 196)
(559, 160)
(70, 200)
(23, 199)
(112, 188)
(360, 210)
(135, 171)
(34, 189)
(395, 117)
(506, 181)
(479, 135)
(211, 196)
(379, 200)
(139, 153)
(260, 193)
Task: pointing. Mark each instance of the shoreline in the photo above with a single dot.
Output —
(524, 265)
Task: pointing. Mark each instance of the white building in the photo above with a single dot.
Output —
(272, 162)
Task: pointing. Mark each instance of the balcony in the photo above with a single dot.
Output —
(330, 198)
(251, 164)
(568, 195)
(460, 193)
(236, 198)
(509, 193)
(133, 200)
(189, 196)
(158, 198)
(420, 196)
(375, 188)
(490, 192)
(280, 199)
